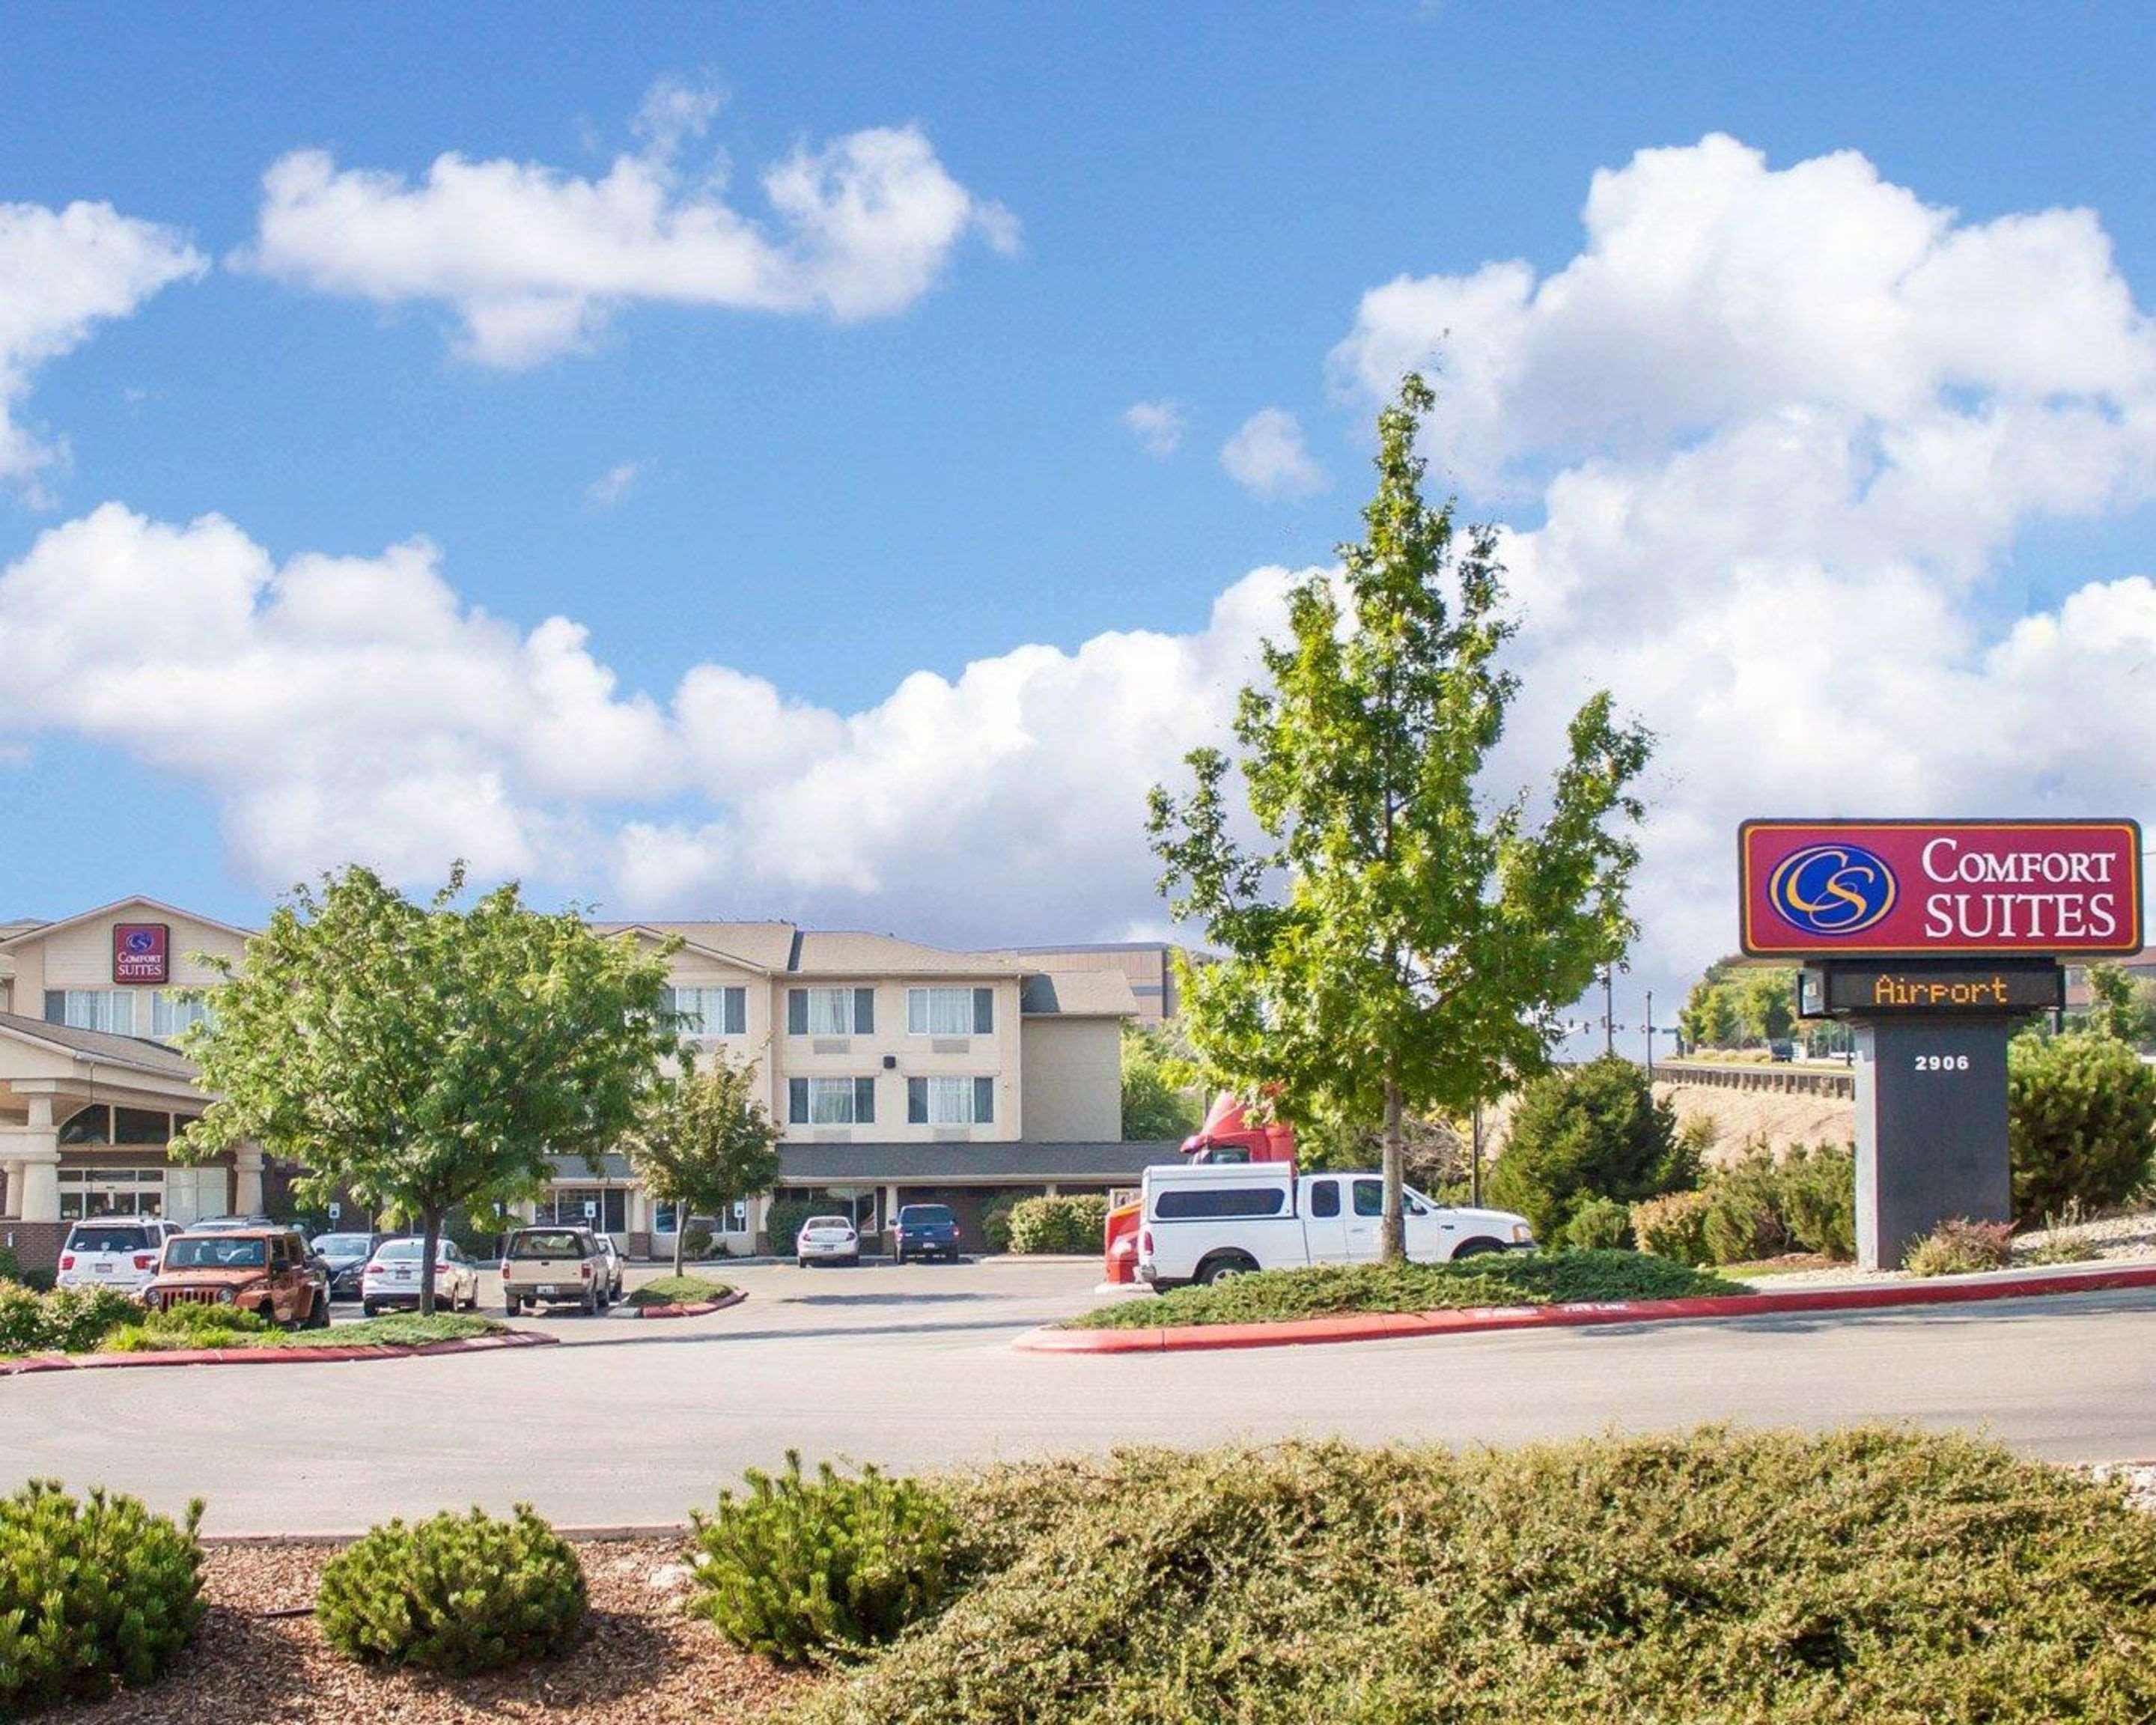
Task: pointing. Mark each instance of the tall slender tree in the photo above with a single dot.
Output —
(702, 1141)
(422, 1056)
(1399, 943)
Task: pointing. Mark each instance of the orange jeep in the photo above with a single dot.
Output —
(264, 1271)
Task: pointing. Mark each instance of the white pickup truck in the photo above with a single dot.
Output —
(1203, 1222)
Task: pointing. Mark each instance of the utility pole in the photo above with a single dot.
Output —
(1610, 1009)
(1650, 1035)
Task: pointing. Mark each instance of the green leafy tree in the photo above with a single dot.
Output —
(420, 1056)
(1768, 1005)
(2119, 1005)
(1156, 1104)
(1710, 1018)
(702, 1141)
(1585, 1132)
(1422, 943)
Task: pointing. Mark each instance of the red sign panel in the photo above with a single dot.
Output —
(141, 952)
(1822, 888)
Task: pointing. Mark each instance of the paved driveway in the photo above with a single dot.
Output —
(636, 1421)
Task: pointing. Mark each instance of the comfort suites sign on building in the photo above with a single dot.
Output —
(1914, 888)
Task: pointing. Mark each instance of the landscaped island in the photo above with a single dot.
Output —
(75, 1321)
(1329, 1290)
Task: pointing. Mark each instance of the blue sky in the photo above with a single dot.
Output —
(1204, 196)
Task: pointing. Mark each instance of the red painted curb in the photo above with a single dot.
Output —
(271, 1356)
(694, 1308)
(1372, 1326)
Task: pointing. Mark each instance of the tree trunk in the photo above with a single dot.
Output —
(1392, 1238)
(680, 1236)
(431, 1222)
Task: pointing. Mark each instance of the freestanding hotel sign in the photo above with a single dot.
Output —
(1933, 939)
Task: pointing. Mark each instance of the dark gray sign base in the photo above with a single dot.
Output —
(1933, 1091)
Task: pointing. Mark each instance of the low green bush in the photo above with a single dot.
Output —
(399, 1329)
(1587, 1131)
(67, 1321)
(678, 1290)
(1744, 1219)
(800, 1568)
(1599, 1224)
(454, 1594)
(11, 1267)
(1961, 1247)
(1059, 1224)
(1530, 1279)
(1816, 1193)
(2081, 1120)
(1858, 1578)
(996, 1224)
(698, 1243)
(94, 1594)
(1673, 1226)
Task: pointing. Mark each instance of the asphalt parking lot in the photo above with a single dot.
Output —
(636, 1421)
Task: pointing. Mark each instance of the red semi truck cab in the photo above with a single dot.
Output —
(1228, 1134)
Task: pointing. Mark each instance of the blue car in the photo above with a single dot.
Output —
(924, 1231)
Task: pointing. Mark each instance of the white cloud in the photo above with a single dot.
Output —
(611, 489)
(535, 261)
(61, 271)
(1266, 455)
(1157, 425)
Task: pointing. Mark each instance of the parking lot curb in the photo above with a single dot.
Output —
(693, 1308)
(1387, 1326)
(311, 1355)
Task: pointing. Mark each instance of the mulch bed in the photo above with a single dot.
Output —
(644, 1660)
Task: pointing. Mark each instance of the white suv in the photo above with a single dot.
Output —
(114, 1252)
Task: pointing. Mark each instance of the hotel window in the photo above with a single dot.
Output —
(709, 1012)
(564, 1208)
(171, 1013)
(950, 1101)
(110, 1009)
(831, 1102)
(950, 1012)
(830, 1012)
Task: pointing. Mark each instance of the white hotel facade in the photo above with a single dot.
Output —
(897, 1072)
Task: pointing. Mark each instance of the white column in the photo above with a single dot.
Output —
(11, 1200)
(37, 1176)
(247, 1164)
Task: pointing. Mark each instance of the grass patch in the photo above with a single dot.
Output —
(1863, 1578)
(1510, 1279)
(678, 1290)
(403, 1329)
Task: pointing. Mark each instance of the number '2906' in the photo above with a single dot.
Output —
(1942, 1063)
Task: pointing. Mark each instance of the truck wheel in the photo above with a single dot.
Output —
(1474, 1248)
(512, 1306)
(1222, 1266)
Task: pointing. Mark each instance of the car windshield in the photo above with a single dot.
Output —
(549, 1244)
(213, 1252)
(918, 1215)
(827, 1222)
(410, 1251)
(343, 1245)
(106, 1240)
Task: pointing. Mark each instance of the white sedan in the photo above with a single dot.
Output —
(392, 1276)
(827, 1239)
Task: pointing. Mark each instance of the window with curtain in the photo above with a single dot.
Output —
(831, 1102)
(170, 1014)
(950, 1101)
(109, 1009)
(950, 1012)
(709, 1012)
(830, 1012)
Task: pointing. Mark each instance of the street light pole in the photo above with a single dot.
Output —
(1610, 1009)
(1650, 1035)
(1475, 1163)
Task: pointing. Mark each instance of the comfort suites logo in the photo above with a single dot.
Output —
(1832, 889)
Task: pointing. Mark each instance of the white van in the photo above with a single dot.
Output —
(1203, 1222)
